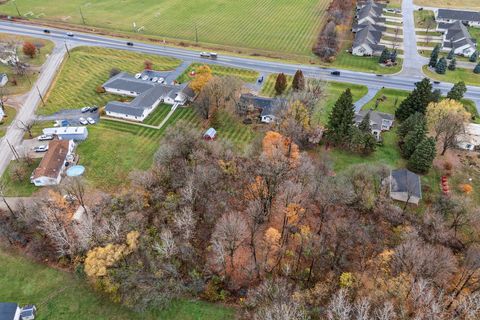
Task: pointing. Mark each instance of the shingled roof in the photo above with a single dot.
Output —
(52, 163)
(460, 15)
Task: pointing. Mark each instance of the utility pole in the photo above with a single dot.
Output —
(14, 151)
(196, 34)
(66, 47)
(81, 14)
(16, 7)
(40, 94)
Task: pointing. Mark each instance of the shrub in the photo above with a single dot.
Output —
(29, 49)
(466, 188)
(100, 89)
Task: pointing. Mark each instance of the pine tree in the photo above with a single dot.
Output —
(441, 67)
(422, 159)
(340, 121)
(436, 95)
(281, 83)
(451, 55)
(393, 56)
(298, 83)
(457, 91)
(474, 57)
(409, 125)
(384, 56)
(412, 140)
(434, 56)
(364, 126)
(417, 101)
(453, 64)
(477, 69)
(369, 143)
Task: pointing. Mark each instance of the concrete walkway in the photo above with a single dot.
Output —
(372, 92)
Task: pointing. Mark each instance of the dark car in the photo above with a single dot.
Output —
(379, 75)
(436, 82)
(93, 109)
(335, 73)
(130, 44)
(46, 31)
(260, 80)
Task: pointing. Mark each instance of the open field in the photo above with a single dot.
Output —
(7, 120)
(244, 74)
(271, 25)
(19, 188)
(58, 295)
(459, 74)
(464, 4)
(89, 67)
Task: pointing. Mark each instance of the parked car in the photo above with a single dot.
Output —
(85, 109)
(45, 137)
(379, 75)
(260, 80)
(83, 121)
(43, 148)
(130, 44)
(420, 9)
(335, 73)
(28, 312)
(90, 120)
(93, 109)
(436, 82)
(69, 34)
(46, 31)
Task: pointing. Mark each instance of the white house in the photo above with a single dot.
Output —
(68, 133)
(2, 114)
(471, 138)
(148, 95)
(50, 170)
(3, 79)
(470, 18)
(457, 37)
(379, 121)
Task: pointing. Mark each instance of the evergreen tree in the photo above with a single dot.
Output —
(298, 82)
(434, 56)
(422, 159)
(436, 95)
(412, 140)
(341, 119)
(393, 56)
(457, 91)
(453, 64)
(384, 56)
(281, 83)
(417, 101)
(364, 126)
(474, 57)
(362, 142)
(477, 69)
(451, 55)
(409, 125)
(441, 67)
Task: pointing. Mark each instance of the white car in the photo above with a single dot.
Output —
(90, 120)
(43, 148)
(154, 79)
(138, 75)
(69, 34)
(45, 137)
(85, 109)
(83, 121)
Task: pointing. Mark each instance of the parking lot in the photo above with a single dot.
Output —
(72, 116)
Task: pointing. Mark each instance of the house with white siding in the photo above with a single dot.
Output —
(368, 28)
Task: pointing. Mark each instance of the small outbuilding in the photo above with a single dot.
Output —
(68, 133)
(3, 79)
(405, 186)
(210, 134)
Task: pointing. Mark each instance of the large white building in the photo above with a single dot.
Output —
(148, 93)
(470, 18)
(68, 133)
(453, 24)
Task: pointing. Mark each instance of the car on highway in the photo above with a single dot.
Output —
(45, 137)
(93, 109)
(90, 120)
(83, 121)
(85, 109)
(436, 82)
(46, 31)
(130, 44)
(379, 75)
(211, 55)
(260, 80)
(69, 34)
(42, 148)
(335, 73)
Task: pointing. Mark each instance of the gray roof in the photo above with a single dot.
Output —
(457, 36)
(376, 118)
(370, 8)
(268, 106)
(405, 181)
(461, 15)
(8, 310)
(370, 36)
(127, 82)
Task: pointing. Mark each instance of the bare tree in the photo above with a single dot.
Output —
(26, 127)
(76, 187)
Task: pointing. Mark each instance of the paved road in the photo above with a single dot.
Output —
(27, 112)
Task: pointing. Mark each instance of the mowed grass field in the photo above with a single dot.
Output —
(59, 295)
(460, 4)
(89, 67)
(270, 25)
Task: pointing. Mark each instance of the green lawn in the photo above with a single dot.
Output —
(269, 25)
(467, 4)
(19, 188)
(89, 67)
(59, 295)
(459, 74)
(392, 100)
(7, 119)
(230, 128)
(423, 18)
(472, 108)
(475, 33)
(157, 116)
(244, 74)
